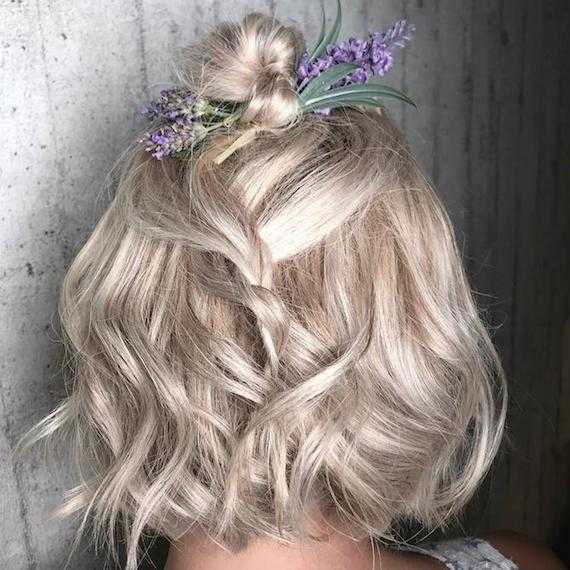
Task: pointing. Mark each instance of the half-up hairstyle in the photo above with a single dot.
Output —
(289, 328)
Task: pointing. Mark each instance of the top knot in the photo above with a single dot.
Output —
(251, 62)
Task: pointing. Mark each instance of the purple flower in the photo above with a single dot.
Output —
(324, 63)
(337, 53)
(373, 55)
(171, 104)
(167, 139)
(177, 113)
(395, 36)
(360, 76)
(358, 48)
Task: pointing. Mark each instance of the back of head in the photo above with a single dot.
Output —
(292, 327)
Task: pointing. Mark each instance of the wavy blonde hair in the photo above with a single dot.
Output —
(292, 327)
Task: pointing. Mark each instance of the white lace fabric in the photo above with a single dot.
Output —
(466, 553)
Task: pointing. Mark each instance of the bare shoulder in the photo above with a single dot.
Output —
(526, 552)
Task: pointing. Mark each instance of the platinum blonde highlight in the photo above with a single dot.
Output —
(290, 328)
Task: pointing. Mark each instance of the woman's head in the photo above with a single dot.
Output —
(290, 328)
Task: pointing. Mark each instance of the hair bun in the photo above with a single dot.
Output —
(252, 62)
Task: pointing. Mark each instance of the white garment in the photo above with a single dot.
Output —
(466, 553)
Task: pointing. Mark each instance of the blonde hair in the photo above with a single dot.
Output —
(292, 327)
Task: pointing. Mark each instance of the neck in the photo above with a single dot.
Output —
(196, 551)
(337, 551)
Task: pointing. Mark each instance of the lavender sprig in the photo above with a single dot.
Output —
(171, 104)
(373, 56)
(183, 120)
(174, 137)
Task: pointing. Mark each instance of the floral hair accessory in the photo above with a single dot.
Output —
(183, 121)
(332, 74)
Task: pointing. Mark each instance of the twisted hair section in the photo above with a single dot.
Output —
(251, 62)
(290, 328)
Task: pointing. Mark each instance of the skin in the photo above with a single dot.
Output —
(195, 551)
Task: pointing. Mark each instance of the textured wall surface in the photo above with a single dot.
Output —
(491, 81)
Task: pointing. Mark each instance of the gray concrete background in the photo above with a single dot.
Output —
(491, 81)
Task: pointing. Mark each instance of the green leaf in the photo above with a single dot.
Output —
(353, 93)
(331, 36)
(344, 103)
(321, 33)
(322, 82)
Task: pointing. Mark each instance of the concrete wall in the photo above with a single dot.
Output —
(492, 130)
